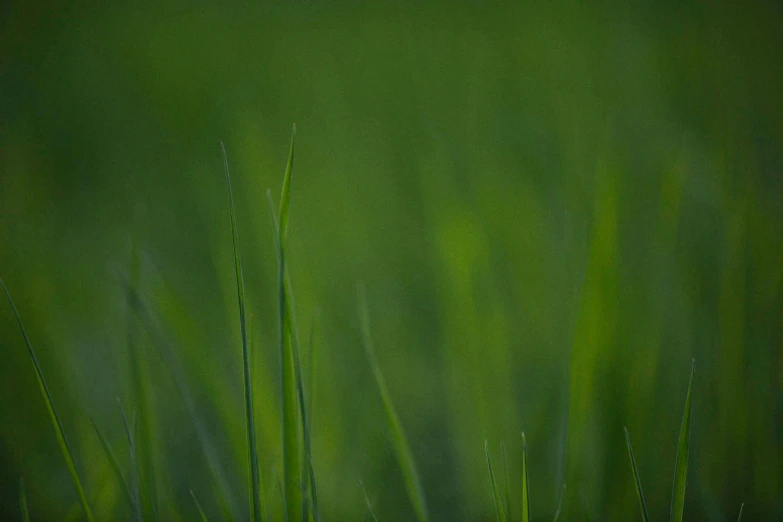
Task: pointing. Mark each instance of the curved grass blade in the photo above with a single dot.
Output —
(499, 511)
(683, 447)
(367, 502)
(401, 447)
(115, 465)
(23, 502)
(198, 507)
(58, 427)
(637, 479)
(256, 501)
(134, 485)
(742, 507)
(559, 504)
(525, 483)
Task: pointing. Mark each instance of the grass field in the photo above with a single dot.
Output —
(495, 219)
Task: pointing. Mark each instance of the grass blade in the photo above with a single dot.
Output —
(255, 503)
(637, 479)
(23, 502)
(499, 511)
(58, 427)
(367, 501)
(401, 447)
(134, 484)
(198, 507)
(559, 504)
(683, 448)
(115, 465)
(290, 370)
(525, 483)
(742, 507)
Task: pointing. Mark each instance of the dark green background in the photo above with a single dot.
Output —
(554, 208)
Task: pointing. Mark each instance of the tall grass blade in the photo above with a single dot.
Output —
(134, 484)
(525, 483)
(367, 502)
(401, 447)
(500, 513)
(290, 367)
(683, 447)
(115, 465)
(201, 513)
(255, 504)
(559, 505)
(58, 427)
(637, 479)
(742, 507)
(23, 502)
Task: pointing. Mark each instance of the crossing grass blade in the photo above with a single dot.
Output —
(525, 483)
(58, 427)
(255, 503)
(499, 511)
(23, 502)
(559, 505)
(115, 465)
(201, 513)
(683, 448)
(400, 442)
(637, 479)
(742, 507)
(367, 502)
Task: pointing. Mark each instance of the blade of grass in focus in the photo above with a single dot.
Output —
(115, 465)
(401, 447)
(290, 366)
(506, 480)
(58, 428)
(256, 501)
(367, 501)
(499, 511)
(525, 483)
(637, 479)
(201, 513)
(559, 505)
(23, 502)
(742, 507)
(683, 447)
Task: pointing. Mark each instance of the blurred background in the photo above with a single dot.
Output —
(554, 207)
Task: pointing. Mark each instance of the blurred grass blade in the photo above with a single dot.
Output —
(637, 479)
(742, 507)
(499, 511)
(683, 447)
(163, 345)
(134, 483)
(401, 448)
(525, 483)
(367, 502)
(255, 503)
(201, 513)
(23, 502)
(559, 505)
(285, 196)
(115, 465)
(506, 480)
(58, 428)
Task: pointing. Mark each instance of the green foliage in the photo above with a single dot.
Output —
(23, 502)
(525, 483)
(637, 480)
(499, 511)
(683, 449)
(47, 396)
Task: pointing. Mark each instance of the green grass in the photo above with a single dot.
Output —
(256, 501)
(525, 483)
(23, 502)
(55, 418)
(683, 450)
(637, 480)
(500, 513)
(201, 513)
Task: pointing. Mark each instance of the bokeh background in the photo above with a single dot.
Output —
(554, 207)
